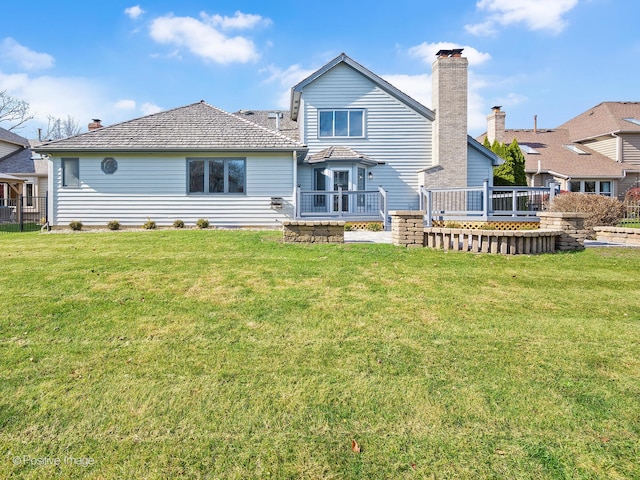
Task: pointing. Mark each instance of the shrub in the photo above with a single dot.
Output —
(452, 225)
(75, 225)
(374, 227)
(348, 227)
(178, 224)
(202, 223)
(632, 195)
(114, 225)
(603, 211)
(149, 225)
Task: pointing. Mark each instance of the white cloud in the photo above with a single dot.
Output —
(204, 37)
(417, 87)
(427, 52)
(286, 79)
(57, 96)
(25, 57)
(149, 108)
(239, 20)
(125, 104)
(134, 12)
(79, 97)
(536, 15)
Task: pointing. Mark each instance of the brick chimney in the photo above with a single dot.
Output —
(94, 124)
(496, 124)
(449, 101)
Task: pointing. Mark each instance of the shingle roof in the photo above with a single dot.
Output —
(339, 153)
(19, 161)
(286, 126)
(556, 158)
(195, 127)
(10, 137)
(603, 119)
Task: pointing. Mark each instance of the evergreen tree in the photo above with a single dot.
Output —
(511, 172)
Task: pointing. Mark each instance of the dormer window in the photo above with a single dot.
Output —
(341, 123)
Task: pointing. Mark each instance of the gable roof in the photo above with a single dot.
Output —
(10, 137)
(604, 119)
(558, 160)
(195, 127)
(296, 91)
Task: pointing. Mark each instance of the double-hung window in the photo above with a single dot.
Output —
(341, 123)
(216, 175)
(70, 172)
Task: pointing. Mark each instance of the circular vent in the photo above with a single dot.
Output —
(109, 165)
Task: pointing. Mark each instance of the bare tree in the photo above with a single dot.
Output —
(58, 128)
(14, 111)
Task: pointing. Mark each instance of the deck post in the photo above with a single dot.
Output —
(485, 197)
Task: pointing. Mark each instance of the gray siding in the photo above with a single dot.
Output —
(606, 147)
(395, 134)
(7, 148)
(631, 149)
(479, 168)
(155, 188)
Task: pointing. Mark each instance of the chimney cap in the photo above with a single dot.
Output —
(496, 108)
(97, 120)
(455, 52)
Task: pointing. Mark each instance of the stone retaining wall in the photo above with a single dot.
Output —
(558, 231)
(628, 236)
(572, 226)
(297, 231)
(407, 228)
(506, 242)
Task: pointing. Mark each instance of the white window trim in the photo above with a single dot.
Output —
(364, 122)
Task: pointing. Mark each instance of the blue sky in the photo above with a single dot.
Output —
(118, 60)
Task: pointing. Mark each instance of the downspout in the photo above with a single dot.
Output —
(294, 193)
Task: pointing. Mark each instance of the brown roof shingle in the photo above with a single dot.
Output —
(603, 119)
(555, 157)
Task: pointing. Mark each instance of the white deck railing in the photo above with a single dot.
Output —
(483, 203)
(343, 204)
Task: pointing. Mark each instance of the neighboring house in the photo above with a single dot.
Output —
(18, 160)
(349, 134)
(596, 152)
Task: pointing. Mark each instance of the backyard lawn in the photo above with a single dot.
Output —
(228, 354)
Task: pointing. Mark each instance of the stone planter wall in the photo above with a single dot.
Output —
(572, 226)
(506, 242)
(298, 231)
(407, 228)
(627, 236)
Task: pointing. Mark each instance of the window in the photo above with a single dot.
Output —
(29, 194)
(216, 175)
(528, 149)
(319, 184)
(70, 172)
(574, 149)
(591, 186)
(341, 123)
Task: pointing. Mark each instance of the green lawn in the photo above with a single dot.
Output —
(218, 354)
